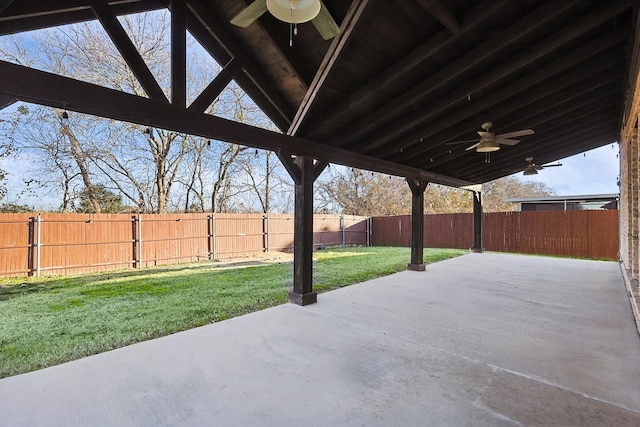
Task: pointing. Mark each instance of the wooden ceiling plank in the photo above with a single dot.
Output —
(211, 24)
(561, 119)
(562, 115)
(557, 123)
(128, 51)
(44, 88)
(372, 123)
(12, 24)
(5, 4)
(553, 144)
(349, 23)
(442, 14)
(533, 79)
(216, 86)
(178, 53)
(534, 101)
(384, 82)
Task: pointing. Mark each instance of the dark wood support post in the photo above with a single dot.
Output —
(417, 186)
(304, 171)
(477, 222)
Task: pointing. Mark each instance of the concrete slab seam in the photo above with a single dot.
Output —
(519, 374)
(469, 359)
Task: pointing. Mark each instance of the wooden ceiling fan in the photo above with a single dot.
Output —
(532, 168)
(489, 142)
(292, 12)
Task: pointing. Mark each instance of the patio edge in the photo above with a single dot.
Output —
(633, 296)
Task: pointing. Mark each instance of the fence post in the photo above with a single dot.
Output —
(38, 243)
(265, 232)
(213, 237)
(368, 228)
(344, 241)
(139, 241)
(210, 239)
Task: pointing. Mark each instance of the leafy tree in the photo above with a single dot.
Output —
(109, 201)
(357, 192)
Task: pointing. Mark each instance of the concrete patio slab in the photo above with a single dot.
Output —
(483, 340)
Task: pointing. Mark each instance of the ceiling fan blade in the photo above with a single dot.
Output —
(472, 147)
(523, 132)
(508, 141)
(250, 14)
(325, 24)
(462, 142)
(550, 166)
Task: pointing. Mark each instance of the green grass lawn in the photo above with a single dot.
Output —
(47, 321)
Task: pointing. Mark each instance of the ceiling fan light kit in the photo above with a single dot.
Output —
(294, 11)
(488, 146)
(530, 171)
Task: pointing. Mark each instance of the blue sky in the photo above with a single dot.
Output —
(592, 172)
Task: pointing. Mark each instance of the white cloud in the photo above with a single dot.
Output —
(593, 172)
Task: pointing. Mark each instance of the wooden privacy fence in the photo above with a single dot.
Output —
(75, 243)
(583, 234)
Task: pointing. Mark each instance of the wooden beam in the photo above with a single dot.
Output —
(44, 88)
(385, 82)
(477, 222)
(287, 160)
(215, 88)
(269, 101)
(337, 45)
(442, 14)
(303, 293)
(212, 25)
(128, 51)
(20, 20)
(409, 100)
(533, 80)
(178, 53)
(417, 187)
(319, 167)
(6, 100)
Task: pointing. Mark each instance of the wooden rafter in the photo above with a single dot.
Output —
(213, 27)
(410, 99)
(178, 53)
(44, 88)
(128, 51)
(533, 80)
(22, 19)
(215, 88)
(6, 100)
(442, 14)
(385, 81)
(349, 23)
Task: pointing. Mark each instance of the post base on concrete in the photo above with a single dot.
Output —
(416, 267)
(477, 250)
(303, 299)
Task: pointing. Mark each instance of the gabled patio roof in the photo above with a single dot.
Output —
(400, 80)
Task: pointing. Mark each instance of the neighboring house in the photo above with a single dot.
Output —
(568, 203)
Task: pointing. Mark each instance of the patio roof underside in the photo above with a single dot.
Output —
(400, 81)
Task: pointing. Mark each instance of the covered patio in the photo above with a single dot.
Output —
(483, 339)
